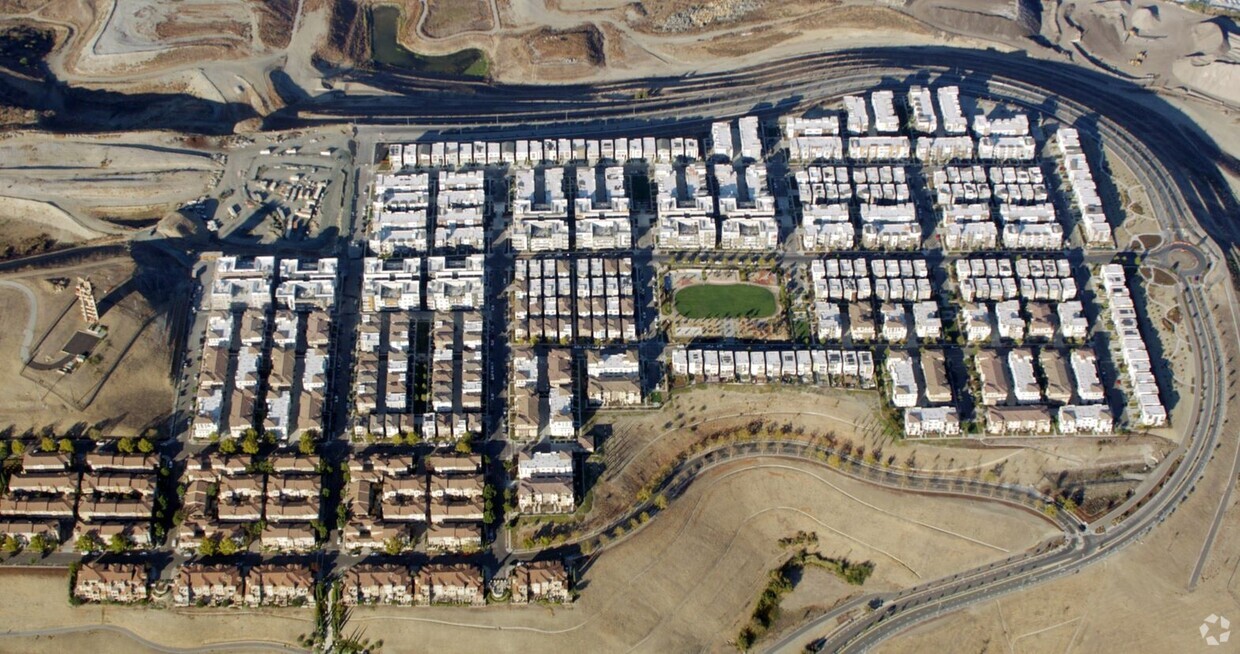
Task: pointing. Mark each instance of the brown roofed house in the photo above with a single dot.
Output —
(111, 582)
(378, 584)
(540, 581)
(278, 585)
(197, 584)
(458, 583)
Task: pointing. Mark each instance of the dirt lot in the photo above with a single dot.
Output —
(138, 391)
(447, 18)
(567, 47)
(94, 179)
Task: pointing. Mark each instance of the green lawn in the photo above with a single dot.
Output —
(725, 301)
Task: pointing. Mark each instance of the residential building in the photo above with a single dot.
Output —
(1055, 371)
(1018, 420)
(215, 585)
(123, 583)
(993, 376)
(934, 372)
(278, 585)
(931, 422)
(1085, 419)
(903, 379)
(1024, 381)
(1085, 371)
(926, 321)
(458, 583)
(377, 584)
(546, 495)
(540, 581)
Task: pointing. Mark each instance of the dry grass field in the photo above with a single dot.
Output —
(447, 18)
(138, 392)
(35, 600)
(687, 580)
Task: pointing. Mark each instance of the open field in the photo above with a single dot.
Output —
(35, 600)
(725, 301)
(128, 391)
(688, 579)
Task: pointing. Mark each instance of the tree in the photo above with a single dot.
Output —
(88, 542)
(18, 448)
(10, 543)
(4, 450)
(145, 445)
(249, 445)
(306, 445)
(125, 445)
(46, 444)
(117, 544)
(65, 446)
(393, 546)
(228, 546)
(208, 547)
(228, 446)
(463, 446)
(660, 502)
(42, 544)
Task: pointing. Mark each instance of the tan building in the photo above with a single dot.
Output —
(1018, 420)
(1058, 381)
(118, 483)
(208, 585)
(377, 584)
(614, 391)
(49, 483)
(25, 530)
(288, 537)
(996, 389)
(458, 583)
(454, 536)
(441, 463)
(546, 495)
(115, 582)
(457, 486)
(934, 370)
(121, 462)
(443, 509)
(56, 507)
(367, 532)
(36, 461)
(409, 510)
(278, 585)
(121, 509)
(540, 581)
